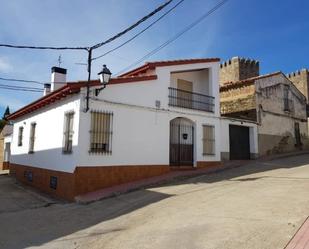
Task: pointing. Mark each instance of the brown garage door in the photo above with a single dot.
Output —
(239, 142)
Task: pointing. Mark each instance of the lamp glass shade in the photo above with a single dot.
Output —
(105, 75)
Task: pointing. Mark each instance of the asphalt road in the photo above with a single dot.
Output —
(257, 206)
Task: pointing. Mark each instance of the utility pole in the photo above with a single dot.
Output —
(89, 76)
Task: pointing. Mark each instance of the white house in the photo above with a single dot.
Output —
(5, 140)
(157, 117)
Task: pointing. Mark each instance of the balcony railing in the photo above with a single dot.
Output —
(191, 100)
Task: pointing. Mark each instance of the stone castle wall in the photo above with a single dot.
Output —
(301, 80)
(237, 69)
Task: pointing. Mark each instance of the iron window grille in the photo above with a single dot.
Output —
(101, 132)
(68, 133)
(208, 140)
(32, 138)
(20, 136)
(190, 100)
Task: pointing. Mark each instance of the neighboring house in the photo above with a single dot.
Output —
(158, 117)
(301, 80)
(5, 146)
(272, 101)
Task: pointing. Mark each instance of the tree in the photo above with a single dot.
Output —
(2, 124)
(4, 121)
(6, 113)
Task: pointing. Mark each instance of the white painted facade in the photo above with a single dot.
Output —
(141, 129)
(225, 138)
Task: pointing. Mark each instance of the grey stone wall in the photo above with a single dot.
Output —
(237, 69)
(301, 80)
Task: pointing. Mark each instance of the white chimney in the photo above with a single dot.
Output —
(58, 78)
(46, 89)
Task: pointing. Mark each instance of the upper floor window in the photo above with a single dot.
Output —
(101, 132)
(287, 103)
(68, 133)
(20, 136)
(32, 137)
(208, 140)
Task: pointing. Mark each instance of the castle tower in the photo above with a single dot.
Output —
(301, 80)
(237, 69)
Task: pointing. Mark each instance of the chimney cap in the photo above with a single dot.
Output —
(47, 85)
(59, 70)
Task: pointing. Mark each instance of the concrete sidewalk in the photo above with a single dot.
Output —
(173, 175)
(131, 186)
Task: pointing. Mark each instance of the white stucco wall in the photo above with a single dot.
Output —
(6, 151)
(48, 137)
(225, 138)
(141, 136)
(140, 130)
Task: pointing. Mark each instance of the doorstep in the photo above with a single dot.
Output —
(131, 186)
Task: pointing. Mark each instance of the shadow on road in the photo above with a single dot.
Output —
(35, 227)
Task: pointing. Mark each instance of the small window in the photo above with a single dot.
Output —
(20, 136)
(286, 101)
(53, 182)
(208, 140)
(101, 132)
(28, 175)
(68, 133)
(32, 138)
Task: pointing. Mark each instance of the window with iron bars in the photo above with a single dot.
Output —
(101, 132)
(208, 140)
(32, 137)
(68, 133)
(20, 136)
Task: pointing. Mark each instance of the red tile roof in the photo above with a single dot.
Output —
(71, 88)
(153, 65)
(129, 77)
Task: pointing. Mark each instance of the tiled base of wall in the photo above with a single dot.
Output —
(203, 164)
(5, 166)
(84, 179)
(41, 180)
(87, 179)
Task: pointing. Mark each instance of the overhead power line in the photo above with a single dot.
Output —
(139, 33)
(163, 45)
(22, 87)
(97, 45)
(20, 80)
(132, 26)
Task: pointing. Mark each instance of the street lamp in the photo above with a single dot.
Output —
(105, 76)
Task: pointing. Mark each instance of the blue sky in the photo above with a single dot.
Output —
(273, 32)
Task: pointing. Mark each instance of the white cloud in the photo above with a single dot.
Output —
(5, 66)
